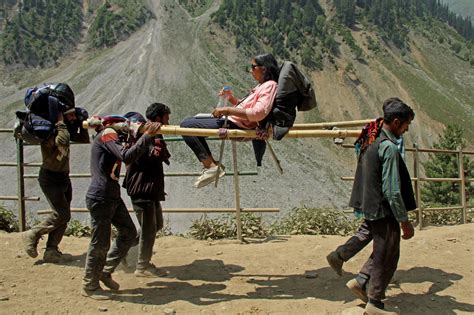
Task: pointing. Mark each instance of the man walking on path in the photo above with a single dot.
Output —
(382, 192)
(105, 205)
(362, 237)
(145, 184)
(54, 178)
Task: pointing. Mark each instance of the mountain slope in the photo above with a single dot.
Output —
(462, 7)
(182, 61)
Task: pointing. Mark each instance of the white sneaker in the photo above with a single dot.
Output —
(208, 176)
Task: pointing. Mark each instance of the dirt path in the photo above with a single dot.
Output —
(264, 277)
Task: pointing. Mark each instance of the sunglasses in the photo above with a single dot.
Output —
(254, 66)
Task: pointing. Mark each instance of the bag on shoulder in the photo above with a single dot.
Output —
(295, 91)
(50, 99)
(43, 104)
(36, 98)
(32, 128)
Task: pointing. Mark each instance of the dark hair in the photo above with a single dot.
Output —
(157, 110)
(389, 101)
(272, 71)
(396, 108)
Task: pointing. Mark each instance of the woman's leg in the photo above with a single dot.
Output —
(199, 144)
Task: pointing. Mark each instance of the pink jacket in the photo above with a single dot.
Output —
(257, 105)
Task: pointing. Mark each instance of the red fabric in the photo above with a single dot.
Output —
(368, 135)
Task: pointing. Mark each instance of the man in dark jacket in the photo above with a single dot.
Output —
(55, 183)
(106, 206)
(145, 185)
(382, 194)
(362, 236)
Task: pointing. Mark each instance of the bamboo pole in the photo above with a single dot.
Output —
(422, 179)
(169, 174)
(31, 198)
(462, 186)
(418, 188)
(417, 184)
(184, 210)
(20, 185)
(443, 208)
(237, 192)
(329, 125)
(238, 133)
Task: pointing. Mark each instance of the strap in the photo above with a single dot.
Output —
(223, 133)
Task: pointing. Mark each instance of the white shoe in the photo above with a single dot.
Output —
(208, 176)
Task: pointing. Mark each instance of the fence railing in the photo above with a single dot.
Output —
(21, 194)
(297, 132)
(417, 179)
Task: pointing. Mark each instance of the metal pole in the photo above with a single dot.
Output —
(418, 188)
(462, 186)
(20, 185)
(237, 191)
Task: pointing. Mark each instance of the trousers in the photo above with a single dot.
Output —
(150, 218)
(57, 189)
(101, 257)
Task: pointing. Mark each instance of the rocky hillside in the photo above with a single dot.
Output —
(182, 59)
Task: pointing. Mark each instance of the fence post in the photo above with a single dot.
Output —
(20, 185)
(416, 171)
(237, 191)
(462, 186)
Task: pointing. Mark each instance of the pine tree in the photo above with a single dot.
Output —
(446, 166)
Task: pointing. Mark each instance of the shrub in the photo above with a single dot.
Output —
(75, 228)
(442, 217)
(314, 221)
(8, 220)
(225, 227)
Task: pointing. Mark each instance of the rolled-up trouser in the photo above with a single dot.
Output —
(355, 243)
(104, 214)
(383, 261)
(150, 218)
(58, 192)
(199, 144)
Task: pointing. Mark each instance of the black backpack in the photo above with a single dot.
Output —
(36, 124)
(294, 91)
(32, 128)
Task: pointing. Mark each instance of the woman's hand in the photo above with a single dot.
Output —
(220, 111)
(227, 93)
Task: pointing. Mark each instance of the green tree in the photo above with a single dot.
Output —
(446, 166)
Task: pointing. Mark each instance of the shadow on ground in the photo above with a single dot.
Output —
(213, 275)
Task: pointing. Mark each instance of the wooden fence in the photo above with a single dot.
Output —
(417, 180)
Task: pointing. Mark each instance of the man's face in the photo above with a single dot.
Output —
(164, 120)
(70, 118)
(400, 127)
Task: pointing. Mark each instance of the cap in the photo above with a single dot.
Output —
(69, 111)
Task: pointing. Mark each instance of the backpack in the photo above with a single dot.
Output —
(32, 128)
(294, 91)
(37, 123)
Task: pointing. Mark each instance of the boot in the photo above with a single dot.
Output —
(31, 243)
(54, 256)
(96, 294)
(335, 262)
(355, 288)
(110, 283)
(371, 309)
